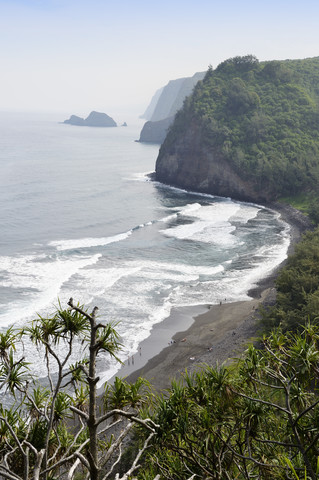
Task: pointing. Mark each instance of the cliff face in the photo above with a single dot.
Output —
(190, 165)
(147, 115)
(164, 105)
(163, 108)
(172, 96)
(155, 132)
(184, 91)
(248, 131)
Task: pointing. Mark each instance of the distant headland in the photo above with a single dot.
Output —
(95, 119)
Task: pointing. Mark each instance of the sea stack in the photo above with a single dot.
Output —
(95, 119)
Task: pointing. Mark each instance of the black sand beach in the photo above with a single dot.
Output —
(193, 336)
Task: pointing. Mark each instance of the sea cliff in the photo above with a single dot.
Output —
(164, 105)
(189, 164)
(249, 131)
(155, 132)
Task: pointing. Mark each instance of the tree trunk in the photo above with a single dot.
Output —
(92, 424)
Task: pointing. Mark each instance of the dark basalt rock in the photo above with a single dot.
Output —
(155, 132)
(75, 120)
(95, 119)
(188, 164)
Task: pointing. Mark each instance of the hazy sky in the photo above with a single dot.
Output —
(112, 55)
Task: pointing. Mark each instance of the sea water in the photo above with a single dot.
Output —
(81, 218)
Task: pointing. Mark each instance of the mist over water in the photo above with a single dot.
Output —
(80, 217)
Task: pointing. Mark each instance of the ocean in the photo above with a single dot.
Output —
(81, 218)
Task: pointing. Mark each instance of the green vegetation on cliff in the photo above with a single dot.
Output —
(297, 287)
(261, 118)
(258, 417)
(256, 420)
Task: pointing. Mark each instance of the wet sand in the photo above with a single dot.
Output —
(215, 337)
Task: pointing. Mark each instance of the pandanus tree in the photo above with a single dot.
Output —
(57, 429)
(258, 418)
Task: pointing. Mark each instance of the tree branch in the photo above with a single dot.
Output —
(264, 402)
(79, 412)
(147, 423)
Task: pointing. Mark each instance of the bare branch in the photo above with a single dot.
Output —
(116, 444)
(264, 402)
(313, 405)
(147, 423)
(17, 441)
(135, 465)
(37, 465)
(110, 426)
(7, 474)
(114, 463)
(73, 468)
(79, 412)
(71, 457)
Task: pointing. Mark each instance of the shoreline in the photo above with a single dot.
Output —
(215, 337)
(207, 334)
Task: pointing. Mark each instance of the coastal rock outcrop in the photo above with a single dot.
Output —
(191, 165)
(75, 120)
(248, 131)
(155, 132)
(95, 119)
(164, 105)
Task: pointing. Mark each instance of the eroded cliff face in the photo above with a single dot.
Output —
(249, 131)
(188, 163)
(164, 105)
(155, 132)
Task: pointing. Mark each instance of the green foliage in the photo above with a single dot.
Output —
(7, 342)
(13, 374)
(65, 324)
(314, 210)
(122, 394)
(307, 203)
(234, 64)
(253, 421)
(262, 118)
(297, 287)
(53, 431)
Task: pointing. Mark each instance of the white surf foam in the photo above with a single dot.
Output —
(203, 232)
(95, 282)
(263, 263)
(245, 213)
(157, 269)
(142, 176)
(212, 223)
(88, 242)
(169, 218)
(42, 277)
